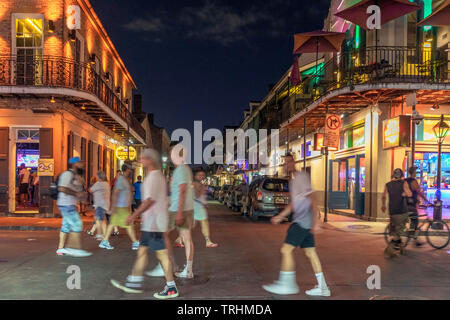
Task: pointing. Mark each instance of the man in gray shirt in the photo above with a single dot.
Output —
(300, 234)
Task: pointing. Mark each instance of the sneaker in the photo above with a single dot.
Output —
(104, 244)
(318, 291)
(115, 233)
(185, 274)
(62, 252)
(158, 271)
(129, 287)
(78, 253)
(135, 245)
(278, 288)
(167, 293)
(99, 237)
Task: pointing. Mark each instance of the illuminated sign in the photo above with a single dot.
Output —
(46, 167)
(396, 132)
(318, 143)
(73, 17)
(123, 154)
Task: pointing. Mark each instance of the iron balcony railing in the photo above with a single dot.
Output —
(373, 65)
(52, 71)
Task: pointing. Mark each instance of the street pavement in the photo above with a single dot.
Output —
(247, 257)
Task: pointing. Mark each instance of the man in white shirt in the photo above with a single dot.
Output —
(70, 192)
(300, 234)
(154, 224)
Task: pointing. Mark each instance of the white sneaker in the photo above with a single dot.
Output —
(105, 245)
(135, 245)
(185, 274)
(278, 288)
(318, 291)
(157, 271)
(62, 252)
(78, 253)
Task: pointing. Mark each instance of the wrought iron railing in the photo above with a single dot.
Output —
(371, 66)
(51, 71)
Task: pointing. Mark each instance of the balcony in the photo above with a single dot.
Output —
(101, 102)
(354, 79)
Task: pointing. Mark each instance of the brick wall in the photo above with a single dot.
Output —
(57, 44)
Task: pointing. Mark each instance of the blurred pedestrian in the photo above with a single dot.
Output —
(137, 192)
(154, 224)
(305, 216)
(101, 192)
(413, 202)
(24, 177)
(70, 192)
(397, 190)
(121, 200)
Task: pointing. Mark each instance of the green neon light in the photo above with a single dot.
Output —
(357, 37)
(427, 10)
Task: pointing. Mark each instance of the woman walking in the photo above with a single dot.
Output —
(101, 192)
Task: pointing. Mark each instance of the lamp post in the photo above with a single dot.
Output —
(440, 131)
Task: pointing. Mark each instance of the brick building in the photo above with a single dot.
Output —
(64, 91)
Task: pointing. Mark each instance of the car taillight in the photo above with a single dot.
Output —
(259, 196)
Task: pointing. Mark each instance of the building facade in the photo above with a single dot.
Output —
(388, 95)
(65, 92)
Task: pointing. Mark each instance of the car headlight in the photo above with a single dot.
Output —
(268, 199)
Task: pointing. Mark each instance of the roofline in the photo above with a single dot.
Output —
(87, 7)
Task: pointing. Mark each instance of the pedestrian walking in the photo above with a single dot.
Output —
(305, 216)
(154, 223)
(137, 192)
(70, 192)
(200, 212)
(24, 177)
(121, 208)
(101, 193)
(397, 190)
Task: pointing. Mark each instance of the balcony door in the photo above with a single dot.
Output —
(78, 57)
(27, 43)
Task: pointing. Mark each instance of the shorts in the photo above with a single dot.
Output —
(23, 188)
(152, 240)
(397, 224)
(71, 221)
(299, 237)
(100, 213)
(200, 212)
(119, 217)
(187, 224)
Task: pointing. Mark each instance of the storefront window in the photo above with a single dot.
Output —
(425, 131)
(352, 137)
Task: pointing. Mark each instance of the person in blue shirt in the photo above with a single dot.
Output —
(137, 192)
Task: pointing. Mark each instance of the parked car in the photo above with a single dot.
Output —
(222, 191)
(236, 198)
(267, 197)
(229, 198)
(211, 191)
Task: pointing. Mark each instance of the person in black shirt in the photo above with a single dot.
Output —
(414, 200)
(397, 190)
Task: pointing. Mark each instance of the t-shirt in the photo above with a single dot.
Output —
(155, 218)
(137, 190)
(124, 197)
(25, 175)
(300, 188)
(181, 175)
(102, 194)
(67, 179)
(397, 203)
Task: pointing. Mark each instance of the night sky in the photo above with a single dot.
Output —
(205, 60)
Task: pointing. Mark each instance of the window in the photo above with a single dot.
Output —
(352, 137)
(28, 135)
(28, 45)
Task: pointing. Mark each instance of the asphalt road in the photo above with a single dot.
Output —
(248, 256)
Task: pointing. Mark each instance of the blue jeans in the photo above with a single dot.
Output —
(71, 219)
(100, 213)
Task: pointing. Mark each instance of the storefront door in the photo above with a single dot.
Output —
(338, 186)
(360, 183)
(4, 152)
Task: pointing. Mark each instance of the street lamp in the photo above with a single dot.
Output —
(440, 131)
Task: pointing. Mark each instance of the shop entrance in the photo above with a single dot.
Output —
(27, 180)
(347, 184)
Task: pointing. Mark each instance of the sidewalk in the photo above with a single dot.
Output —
(30, 224)
(349, 224)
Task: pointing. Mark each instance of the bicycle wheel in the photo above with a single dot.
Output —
(438, 234)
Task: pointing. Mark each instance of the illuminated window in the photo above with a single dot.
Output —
(426, 133)
(29, 44)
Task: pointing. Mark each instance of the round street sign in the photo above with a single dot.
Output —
(333, 122)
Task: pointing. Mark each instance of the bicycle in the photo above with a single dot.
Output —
(436, 233)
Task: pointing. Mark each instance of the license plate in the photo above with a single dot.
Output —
(279, 200)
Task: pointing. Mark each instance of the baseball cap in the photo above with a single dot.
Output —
(74, 160)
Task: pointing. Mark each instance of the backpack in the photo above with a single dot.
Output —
(54, 187)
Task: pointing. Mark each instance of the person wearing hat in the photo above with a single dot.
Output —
(70, 192)
(121, 200)
(397, 189)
